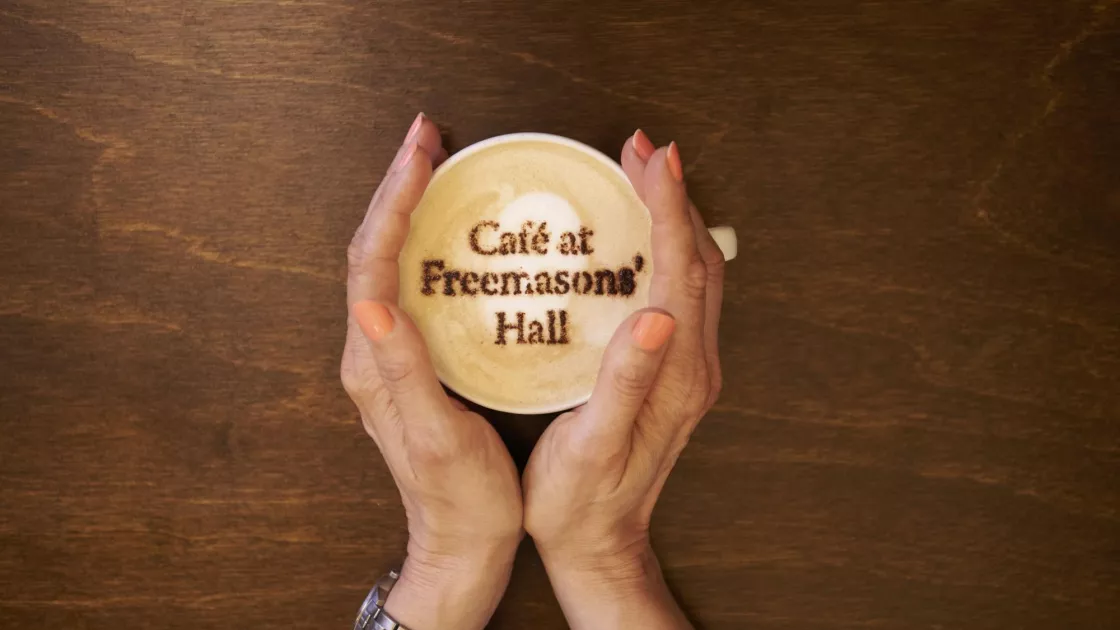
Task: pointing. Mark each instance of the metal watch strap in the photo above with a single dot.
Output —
(372, 615)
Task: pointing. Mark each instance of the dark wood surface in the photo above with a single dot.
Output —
(921, 424)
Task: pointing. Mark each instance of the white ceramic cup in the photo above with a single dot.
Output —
(724, 237)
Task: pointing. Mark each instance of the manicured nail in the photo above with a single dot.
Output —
(642, 145)
(396, 163)
(374, 319)
(673, 157)
(409, 152)
(653, 330)
(415, 127)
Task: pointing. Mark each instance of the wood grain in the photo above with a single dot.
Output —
(921, 424)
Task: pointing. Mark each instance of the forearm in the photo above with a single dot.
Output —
(451, 592)
(626, 591)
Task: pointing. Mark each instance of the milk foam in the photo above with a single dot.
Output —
(531, 187)
(536, 207)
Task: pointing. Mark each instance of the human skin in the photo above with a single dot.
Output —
(594, 477)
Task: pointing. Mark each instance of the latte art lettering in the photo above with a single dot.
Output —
(536, 329)
(486, 238)
(527, 241)
(434, 274)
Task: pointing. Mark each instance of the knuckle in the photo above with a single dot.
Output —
(396, 372)
(372, 399)
(371, 428)
(355, 254)
(701, 398)
(346, 374)
(691, 395)
(715, 390)
(430, 451)
(677, 446)
(356, 381)
(379, 402)
(695, 280)
(630, 380)
(351, 383)
(716, 266)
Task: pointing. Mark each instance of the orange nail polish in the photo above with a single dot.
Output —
(374, 319)
(642, 145)
(673, 157)
(652, 330)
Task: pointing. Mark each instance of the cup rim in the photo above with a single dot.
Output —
(481, 145)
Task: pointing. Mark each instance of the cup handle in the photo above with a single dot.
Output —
(724, 236)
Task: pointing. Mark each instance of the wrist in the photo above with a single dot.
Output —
(623, 588)
(459, 590)
(612, 569)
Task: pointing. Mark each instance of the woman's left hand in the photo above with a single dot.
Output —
(459, 487)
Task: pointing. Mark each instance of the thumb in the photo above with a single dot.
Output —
(403, 363)
(629, 368)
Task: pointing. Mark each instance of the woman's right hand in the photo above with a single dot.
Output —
(595, 475)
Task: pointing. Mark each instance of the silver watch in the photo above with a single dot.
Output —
(372, 615)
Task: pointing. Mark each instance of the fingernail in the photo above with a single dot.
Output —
(643, 145)
(653, 330)
(415, 127)
(409, 153)
(673, 157)
(374, 319)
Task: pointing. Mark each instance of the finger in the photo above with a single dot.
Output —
(714, 263)
(635, 155)
(423, 133)
(404, 365)
(428, 136)
(372, 398)
(636, 152)
(679, 277)
(630, 366)
(439, 158)
(372, 257)
(453, 398)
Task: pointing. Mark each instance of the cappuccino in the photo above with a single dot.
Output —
(524, 256)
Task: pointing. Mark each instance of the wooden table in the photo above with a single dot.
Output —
(921, 423)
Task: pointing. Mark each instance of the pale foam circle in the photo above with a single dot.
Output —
(533, 211)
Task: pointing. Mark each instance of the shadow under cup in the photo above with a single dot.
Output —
(524, 256)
